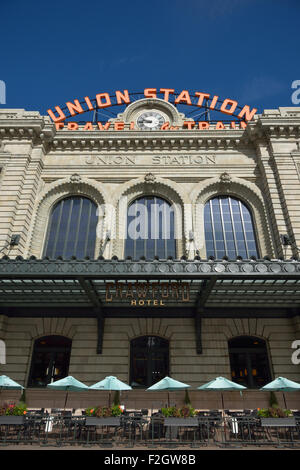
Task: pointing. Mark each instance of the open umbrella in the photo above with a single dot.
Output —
(69, 384)
(281, 384)
(7, 383)
(221, 384)
(169, 384)
(110, 383)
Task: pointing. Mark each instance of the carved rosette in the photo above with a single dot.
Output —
(225, 178)
(75, 178)
(150, 178)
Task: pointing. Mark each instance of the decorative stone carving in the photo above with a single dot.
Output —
(225, 178)
(150, 178)
(75, 178)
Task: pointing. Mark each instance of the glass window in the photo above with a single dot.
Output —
(50, 360)
(149, 360)
(249, 361)
(150, 229)
(228, 228)
(72, 229)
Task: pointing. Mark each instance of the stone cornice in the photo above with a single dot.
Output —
(169, 140)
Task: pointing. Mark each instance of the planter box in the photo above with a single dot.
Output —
(15, 420)
(94, 421)
(181, 422)
(278, 421)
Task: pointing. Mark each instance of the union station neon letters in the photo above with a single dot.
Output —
(104, 100)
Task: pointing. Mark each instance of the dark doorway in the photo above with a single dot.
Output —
(149, 360)
(50, 360)
(249, 361)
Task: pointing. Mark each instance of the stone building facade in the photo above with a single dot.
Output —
(42, 165)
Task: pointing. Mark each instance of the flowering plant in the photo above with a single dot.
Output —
(11, 409)
(174, 412)
(273, 412)
(104, 411)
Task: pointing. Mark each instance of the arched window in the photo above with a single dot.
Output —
(50, 360)
(72, 228)
(249, 361)
(229, 229)
(149, 360)
(150, 229)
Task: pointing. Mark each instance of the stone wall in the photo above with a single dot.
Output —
(185, 365)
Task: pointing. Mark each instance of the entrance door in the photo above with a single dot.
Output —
(149, 361)
(50, 360)
(249, 361)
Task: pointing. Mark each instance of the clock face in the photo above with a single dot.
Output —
(150, 120)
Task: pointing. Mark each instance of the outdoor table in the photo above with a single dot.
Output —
(14, 424)
(106, 423)
(175, 425)
(288, 426)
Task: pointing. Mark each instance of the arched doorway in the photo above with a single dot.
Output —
(149, 360)
(249, 361)
(50, 360)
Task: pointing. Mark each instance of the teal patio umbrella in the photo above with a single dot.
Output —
(69, 384)
(110, 383)
(221, 384)
(169, 384)
(281, 384)
(6, 383)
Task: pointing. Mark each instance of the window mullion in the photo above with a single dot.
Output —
(244, 231)
(78, 225)
(87, 230)
(57, 229)
(68, 228)
(213, 226)
(223, 228)
(233, 227)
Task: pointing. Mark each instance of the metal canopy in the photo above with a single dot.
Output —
(86, 283)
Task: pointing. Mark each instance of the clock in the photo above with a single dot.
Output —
(150, 120)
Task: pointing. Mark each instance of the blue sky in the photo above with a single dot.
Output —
(55, 51)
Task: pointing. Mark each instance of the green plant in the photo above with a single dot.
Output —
(11, 409)
(104, 411)
(174, 412)
(273, 412)
(187, 399)
(273, 400)
(117, 398)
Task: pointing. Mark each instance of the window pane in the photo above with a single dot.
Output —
(228, 228)
(72, 229)
(156, 221)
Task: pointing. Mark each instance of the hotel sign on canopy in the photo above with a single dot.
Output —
(227, 106)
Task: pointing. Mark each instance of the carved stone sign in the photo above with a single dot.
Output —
(158, 160)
